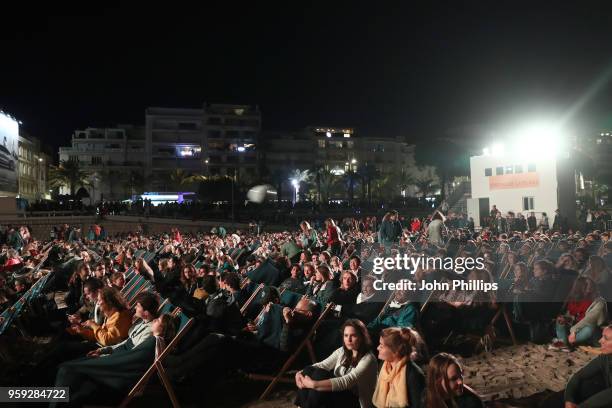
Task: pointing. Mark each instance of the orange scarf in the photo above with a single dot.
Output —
(391, 390)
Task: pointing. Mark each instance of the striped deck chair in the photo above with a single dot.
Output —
(251, 298)
(290, 299)
(185, 324)
(307, 342)
(129, 291)
(146, 286)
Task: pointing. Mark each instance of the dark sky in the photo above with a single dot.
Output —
(409, 68)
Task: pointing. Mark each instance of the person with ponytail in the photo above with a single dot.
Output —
(401, 382)
(346, 378)
(445, 387)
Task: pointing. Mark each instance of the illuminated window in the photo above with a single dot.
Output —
(531, 167)
(518, 168)
(509, 170)
(499, 171)
(322, 144)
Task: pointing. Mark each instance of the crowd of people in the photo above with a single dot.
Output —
(256, 297)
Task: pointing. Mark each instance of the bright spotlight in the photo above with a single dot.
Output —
(486, 151)
(498, 149)
(295, 183)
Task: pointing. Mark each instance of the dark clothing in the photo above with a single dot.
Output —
(390, 232)
(293, 285)
(118, 371)
(598, 370)
(344, 297)
(310, 398)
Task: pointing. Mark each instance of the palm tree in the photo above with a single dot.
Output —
(368, 173)
(133, 182)
(277, 178)
(404, 180)
(425, 185)
(297, 177)
(68, 174)
(350, 177)
(326, 181)
(317, 172)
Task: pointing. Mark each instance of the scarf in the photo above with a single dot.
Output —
(391, 390)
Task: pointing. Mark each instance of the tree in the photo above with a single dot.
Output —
(277, 178)
(326, 182)
(404, 180)
(368, 173)
(297, 177)
(133, 183)
(350, 177)
(425, 186)
(68, 174)
(449, 156)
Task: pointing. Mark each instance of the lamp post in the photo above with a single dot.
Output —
(296, 187)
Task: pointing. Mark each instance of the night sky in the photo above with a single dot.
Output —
(406, 69)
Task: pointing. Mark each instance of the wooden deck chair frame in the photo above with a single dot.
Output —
(305, 343)
(251, 298)
(502, 311)
(158, 367)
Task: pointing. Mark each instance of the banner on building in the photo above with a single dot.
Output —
(513, 181)
(9, 137)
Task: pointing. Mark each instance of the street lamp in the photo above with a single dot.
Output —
(296, 186)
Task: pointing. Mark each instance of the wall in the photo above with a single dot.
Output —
(510, 199)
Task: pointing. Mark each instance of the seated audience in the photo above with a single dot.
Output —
(346, 378)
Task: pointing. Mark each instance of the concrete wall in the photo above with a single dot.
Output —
(511, 199)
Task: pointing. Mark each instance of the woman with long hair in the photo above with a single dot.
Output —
(75, 286)
(323, 286)
(308, 236)
(334, 245)
(445, 387)
(401, 382)
(118, 319)
(346, 378)
(585, 312)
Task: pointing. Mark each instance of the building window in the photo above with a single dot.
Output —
(96, 160)
(214, 120)
(499, 171)
(322, 144)
(528, 203)
(73, 158)
(518, 168)
(509, 170)
(350, 144)
(187, 126)
(488, 172)
(215, 133)
(531, 167)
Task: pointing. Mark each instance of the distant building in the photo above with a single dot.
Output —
(512, 181)
(33, 169)
(216, 139)
(114, 157)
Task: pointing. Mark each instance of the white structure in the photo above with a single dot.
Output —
(111, 156)
(514, 181)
